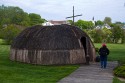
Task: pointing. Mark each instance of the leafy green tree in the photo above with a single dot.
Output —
(106, 35)
(13, 15)
(99, 22)
(35, 19)
(100, 35)
(19, 16)
(70, 21)
(96, 35)
(121, 25)
(91, 33)
(84, 24)
(9, 33)
(108, 20)
(116, 33)
(123, 36)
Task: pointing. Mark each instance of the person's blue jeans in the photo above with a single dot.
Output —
(103, 60)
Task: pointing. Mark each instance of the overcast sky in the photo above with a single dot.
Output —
(60, 9)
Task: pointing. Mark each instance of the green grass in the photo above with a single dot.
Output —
(117, 52)
(116, 80)
(2, 42)
(15, 72)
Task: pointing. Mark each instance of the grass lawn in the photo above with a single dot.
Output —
(15, 72)
(116, 80)
(117, 52)
(2, 42)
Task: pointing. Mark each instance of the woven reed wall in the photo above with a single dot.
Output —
(91, 51)
(48, 57)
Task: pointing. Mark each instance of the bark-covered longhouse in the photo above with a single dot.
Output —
(47, 45)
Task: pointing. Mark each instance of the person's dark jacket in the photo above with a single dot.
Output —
(103, 51)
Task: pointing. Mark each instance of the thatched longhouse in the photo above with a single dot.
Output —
(47, 45)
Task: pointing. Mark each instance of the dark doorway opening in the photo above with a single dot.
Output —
(83, 41)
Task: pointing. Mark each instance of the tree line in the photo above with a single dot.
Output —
(13, 20)
(16, 15)
(116, 33)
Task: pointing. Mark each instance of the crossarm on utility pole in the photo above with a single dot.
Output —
(73, 16)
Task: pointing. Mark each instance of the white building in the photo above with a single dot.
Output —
(47, 24)
(51, 22)
(103, 26)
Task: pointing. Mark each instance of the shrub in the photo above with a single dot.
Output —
(9, 33)
(120, 71)
(96, 49)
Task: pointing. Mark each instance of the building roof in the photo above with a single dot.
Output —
(58, 22)
(47, 24)
(102, 26)
(52, 22)
(49, 37)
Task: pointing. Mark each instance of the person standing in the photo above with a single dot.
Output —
(103, 52)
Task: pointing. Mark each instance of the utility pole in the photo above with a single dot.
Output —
(73, 16)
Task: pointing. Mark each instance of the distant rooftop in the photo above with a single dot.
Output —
(52, 22)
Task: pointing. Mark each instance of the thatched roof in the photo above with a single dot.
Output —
(56, 37)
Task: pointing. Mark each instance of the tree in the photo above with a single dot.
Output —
(9, 33)
(99, 22)
(107, 20)
(91, 33)
(35, 19)
(119, 24)
(123, 36)
(13, 15)
(19, 16)
(84, 24)
(116, 33)
(70, 21)
(98, 36)
(106, 35)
